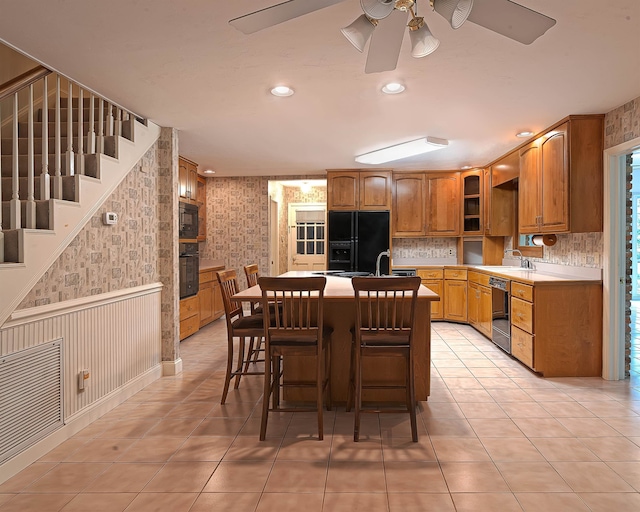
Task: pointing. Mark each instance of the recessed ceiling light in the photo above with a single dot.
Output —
(465, 167)
(209, 171)
(393, 88)
(524, 134)
(282, 90)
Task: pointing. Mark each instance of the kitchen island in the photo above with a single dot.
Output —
(339, 314)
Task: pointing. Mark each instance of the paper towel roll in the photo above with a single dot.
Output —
(547, 240)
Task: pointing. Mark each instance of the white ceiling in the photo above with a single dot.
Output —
(181, 64)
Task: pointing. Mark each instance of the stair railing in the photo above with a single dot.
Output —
(22, 96)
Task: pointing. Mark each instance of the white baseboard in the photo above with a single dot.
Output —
(77, 422)
(171, 368)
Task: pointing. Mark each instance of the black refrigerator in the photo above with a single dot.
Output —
(356, 239)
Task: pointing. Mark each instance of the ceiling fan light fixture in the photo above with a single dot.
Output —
(423, 42)
(404, 150)
(455, 12)
(359, 32)
(282, 91)
(377, 9)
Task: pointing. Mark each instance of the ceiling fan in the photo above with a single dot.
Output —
(383, 21)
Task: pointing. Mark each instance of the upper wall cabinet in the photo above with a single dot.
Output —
(187, 180)
(358, 190)
(560, 186)
(500, 196)
(443, 204)
(426, 204)
(472, 203)
(409, 205)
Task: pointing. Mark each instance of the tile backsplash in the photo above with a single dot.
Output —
(424, 248)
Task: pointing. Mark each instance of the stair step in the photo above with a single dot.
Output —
(43, 209)
(69, 186)
(6, 165)
(11, 245)
(6, 145)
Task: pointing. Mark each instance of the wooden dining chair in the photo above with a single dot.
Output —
(239, 326)
(384, 327)
(295, 329)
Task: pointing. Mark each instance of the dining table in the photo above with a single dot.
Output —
(339, 315)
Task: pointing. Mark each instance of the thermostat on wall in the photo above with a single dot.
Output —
(109, 218)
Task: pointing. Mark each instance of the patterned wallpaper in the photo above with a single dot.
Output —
(420, 248)
(140, 249)
(237, 223)
(622, 124)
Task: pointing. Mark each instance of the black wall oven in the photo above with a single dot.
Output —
(189, 269)
(188, 219)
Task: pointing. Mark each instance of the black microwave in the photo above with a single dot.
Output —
(188, 221)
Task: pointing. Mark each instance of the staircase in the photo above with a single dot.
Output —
(90, 145)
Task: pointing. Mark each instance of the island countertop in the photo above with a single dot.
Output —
(339, 314)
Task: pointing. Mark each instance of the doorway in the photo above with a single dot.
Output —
(633, 319)
(615, 259)
(306, 224)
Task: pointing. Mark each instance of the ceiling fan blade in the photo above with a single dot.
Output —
(386, 41)
(510, 19)
(279, 13)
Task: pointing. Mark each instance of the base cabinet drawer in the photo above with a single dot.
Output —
(189, 325)
(522, 314)
(522, 346)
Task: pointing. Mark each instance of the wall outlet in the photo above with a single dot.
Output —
(450, 252)
(83, 379)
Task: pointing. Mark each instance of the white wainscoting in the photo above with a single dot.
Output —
(116, 336)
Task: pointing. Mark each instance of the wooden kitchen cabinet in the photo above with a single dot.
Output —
(187, 180)
(409, 205)
(561, 178)
(455, 295)
(500, 196)
(480, 307)
(443, 204)
(433, 279)
(359, 190)
(189, 316)
(210, 296)
(556, 328)
(472, 202)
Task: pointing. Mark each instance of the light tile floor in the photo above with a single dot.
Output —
(493, 437)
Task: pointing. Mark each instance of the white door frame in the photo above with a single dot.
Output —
(274, 237)
(614, 264)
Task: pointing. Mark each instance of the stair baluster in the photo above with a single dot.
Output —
(30, 220)
(80, 146)
(118, 127)
(70, 159)
(15, 220)
(57, 179)
(91, 136)
(109, 119)
(45, 184)
(100, 141)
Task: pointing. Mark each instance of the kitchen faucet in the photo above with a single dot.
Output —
(524, 262)
(386, 253)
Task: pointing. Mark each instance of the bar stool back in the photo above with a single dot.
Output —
(295, 329)
(385, 320)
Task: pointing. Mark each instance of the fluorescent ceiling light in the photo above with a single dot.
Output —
(282, 90)
(404, 150)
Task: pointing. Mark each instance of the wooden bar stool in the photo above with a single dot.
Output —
(251, 272)
(385, 320)
(295, 329)
(238, 326)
